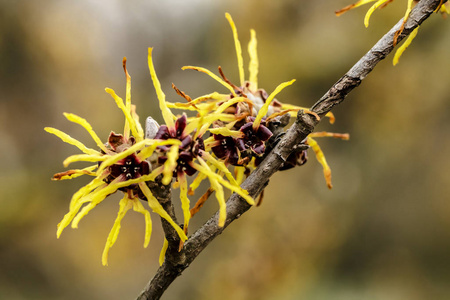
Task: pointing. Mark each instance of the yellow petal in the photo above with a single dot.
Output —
(135, 117)
(185, 204)
(126, 130)
(221, 200)
(162, 255)
(220, 166)
(80, 121)
(138, 207)
(77, 201)
(253, 66)
(372, 9)
(157, 208)
(216, 186)
(343, 136)
(265, 108)
(70, 140)
(214, 76)
(148, 151)
(127, 114)
(84, 157)
(237, 45)
(203, 167)
(227, 132)
(88, 188)
(167, 114)
(405, 45)
(239, 174)
(94, 199)
(196, 182)
(321, 159)
(170, 164)
(125, 205)
(286, 106)
(75, 173)
(206, 121)
(351, 6)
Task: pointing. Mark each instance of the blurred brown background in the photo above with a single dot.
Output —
(382, 232)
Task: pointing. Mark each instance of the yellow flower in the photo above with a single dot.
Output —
(120, 164)
(242, 141)
(383, 3)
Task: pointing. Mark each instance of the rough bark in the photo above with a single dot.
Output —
(176, 262)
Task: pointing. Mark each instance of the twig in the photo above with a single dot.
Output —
(304, 125)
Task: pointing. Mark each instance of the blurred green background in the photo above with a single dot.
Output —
(382, 232)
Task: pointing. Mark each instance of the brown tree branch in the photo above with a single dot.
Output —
(304, 125)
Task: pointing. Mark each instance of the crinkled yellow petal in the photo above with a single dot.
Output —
(88, 188)
(126, 130)
(125, 205)
(162, 255)
(214, 76)
(138, 207)
(231, 102)
(95, 192)
(343, 136)
(84, 157)
(102, 192)
(197, 104)
(127, 114)
(253, 66)
(237, 45)
(372, 9)
(321, 159)
(220, 199)
(189, 106)
(203, 167)
(157, 208)
(75, 173)
(166, 113)
(70, 140)
(265, 108)
(351, 6)
(135, 117)
(239, 174)
(80, 121)
(94, 199)
(211, 118)
(216, 186)
(227, 132)
(148, 151)
(77, 201)
(206, 121)
(286, 106)
(220, 166)
(185, 204)
(408, 10)
(196, 182)
(405, 45)
(170, 164)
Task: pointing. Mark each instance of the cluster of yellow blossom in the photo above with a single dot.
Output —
(223, 142)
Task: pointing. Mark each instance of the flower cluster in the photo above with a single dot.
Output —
(223, 142)
(383, 3)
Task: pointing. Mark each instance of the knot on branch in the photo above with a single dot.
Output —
(306, 121)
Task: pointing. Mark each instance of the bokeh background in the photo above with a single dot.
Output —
(382, 232)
